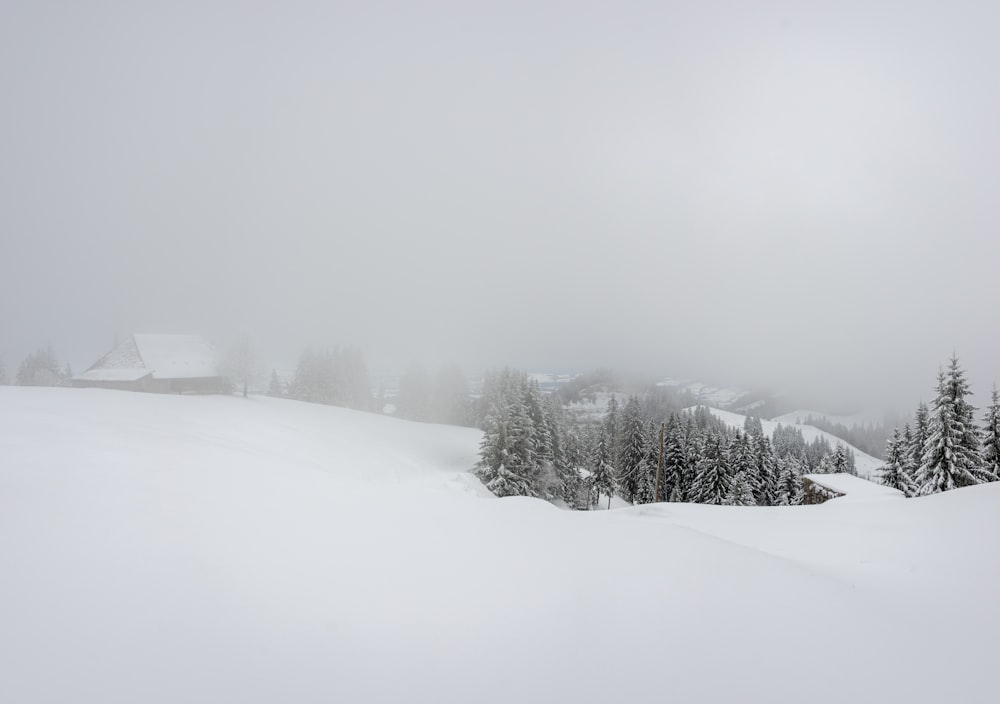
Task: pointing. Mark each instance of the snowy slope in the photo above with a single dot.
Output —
(864, 418)
(200, 549)
(865, 463)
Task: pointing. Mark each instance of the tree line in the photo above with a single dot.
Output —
(870, 438)
(335, 376)
(39, 368)
(339, 377)
(531, 447)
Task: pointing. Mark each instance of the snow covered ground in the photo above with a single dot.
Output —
(864, 463)
(210, 549)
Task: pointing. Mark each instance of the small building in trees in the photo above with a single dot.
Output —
(158, 364)
(819, 488)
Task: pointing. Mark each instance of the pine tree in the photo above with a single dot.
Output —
(506, 462)
(894, 473)
(991, 437)
(674, 462)
(40, 368)
(333, 377)
(567, 473)
(781, 493)
(713, 483)
(541, 437)
(817, 453)
(612, 425)
(740, 493)
(909, 465)
(602, 472)
(565, 477)
(743, 469)
(788, 442)
(645, 490)
(753, 427)
(694, 450)
(921, 431)
(765, 485)
(633, 465)
(965, 412)
(506, 483)
(834, 462)
(839, 460)
(509, 438)
(789, 489)
(951, 453)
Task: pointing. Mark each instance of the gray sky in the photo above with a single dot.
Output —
(782, 193)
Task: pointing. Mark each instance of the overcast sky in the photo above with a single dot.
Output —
(793, 194)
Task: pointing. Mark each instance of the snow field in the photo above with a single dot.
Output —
(208, 549)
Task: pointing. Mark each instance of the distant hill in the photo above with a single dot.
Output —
(865, 463)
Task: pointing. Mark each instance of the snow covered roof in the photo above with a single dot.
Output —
(163, 356)
(852, 486)
(177, 356)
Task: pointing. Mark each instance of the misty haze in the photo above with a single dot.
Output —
(498, 352)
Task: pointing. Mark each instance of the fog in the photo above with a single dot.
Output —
(797, 195)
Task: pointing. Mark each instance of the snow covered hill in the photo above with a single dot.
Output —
(866, 465)
(208, 549)
(705, 394)
(799, 416)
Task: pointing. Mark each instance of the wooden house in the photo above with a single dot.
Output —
(158, 364)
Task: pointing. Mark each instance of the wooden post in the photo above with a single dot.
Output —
(659, 468)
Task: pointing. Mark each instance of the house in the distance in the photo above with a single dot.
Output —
(157, 363)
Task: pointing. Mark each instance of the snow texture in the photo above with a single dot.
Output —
(164, 549)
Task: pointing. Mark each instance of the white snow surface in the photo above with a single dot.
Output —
(160, 548)
(866, 465)
(855, 488)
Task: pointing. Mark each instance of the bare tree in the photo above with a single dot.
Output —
(241, 363)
